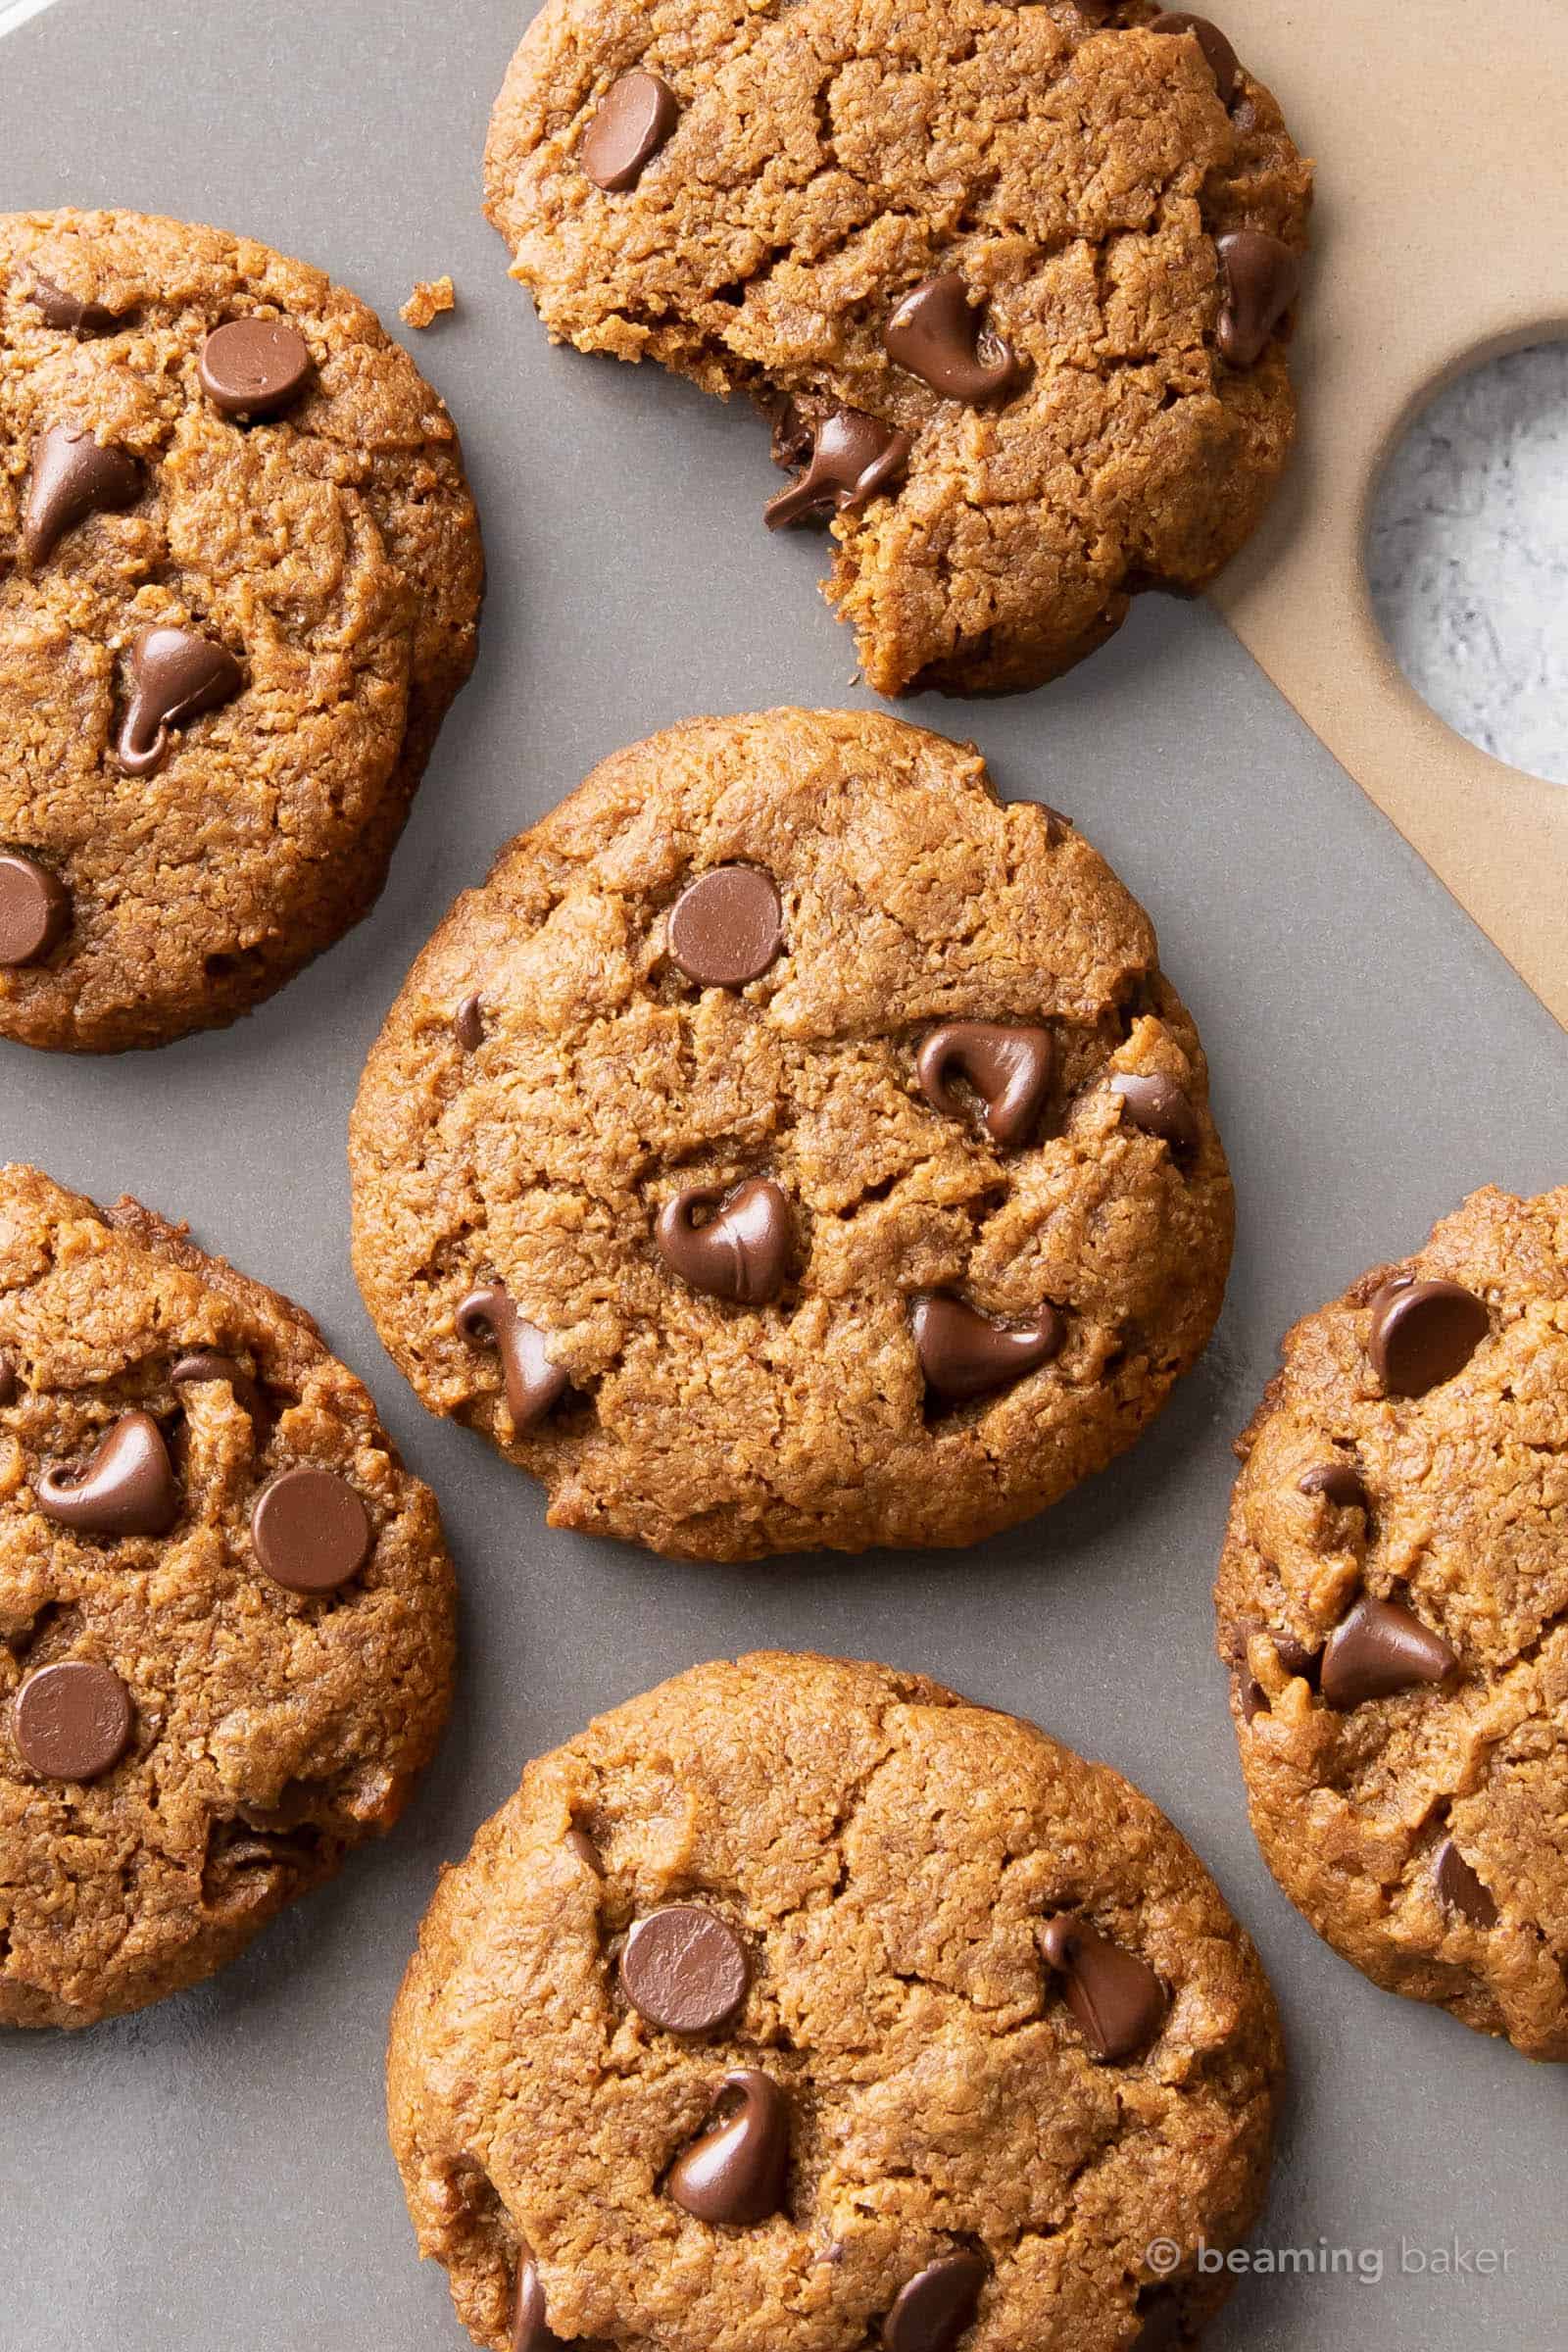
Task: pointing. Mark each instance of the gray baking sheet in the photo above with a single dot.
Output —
(214, 2172)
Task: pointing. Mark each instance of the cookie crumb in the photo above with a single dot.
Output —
(431, 298)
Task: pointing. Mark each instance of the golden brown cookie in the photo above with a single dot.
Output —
(1391, 1601)
(801, 2004)
(791, 1146)
(239, 582)
(225, 1610)
(1013, 284)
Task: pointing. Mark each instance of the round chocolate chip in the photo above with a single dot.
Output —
(72, 1721)
(728, 926)
(684, 1968)
(1221, 58)
(35, 909)
(937, 2307)
(255, 367)
(1424, 1333)
(632, 122)
(311, 1531)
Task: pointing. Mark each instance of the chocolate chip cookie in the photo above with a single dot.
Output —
(1014, 285)
(792, 1146)
(239, 582)
(225, 1610)
(1394, 1604)
(801, 2004)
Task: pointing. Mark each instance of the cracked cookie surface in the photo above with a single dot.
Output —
(194, 1728)
(889, 1862)
(739, 1265)
(1067, 174)
(291, 502)
(1392, 1599)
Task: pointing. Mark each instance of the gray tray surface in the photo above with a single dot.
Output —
(214, 2172)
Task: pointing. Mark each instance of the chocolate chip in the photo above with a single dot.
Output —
(174, 676)
(67, 314)
(728, 926)
(578, 1841)
(854, 458)
(1459, 1887)
(1340, 1484)
(935, 335)
(35, 909)
(740, 1251)
(311, 1531)
(1252, 1696)
(634, 120)
(1010, 1068)
(73, 476)
(8, 1381)
(72, 1721)
(964, 1354)
(530, 2332)
(127, 1488)
(205, 1365)
(1159, 1107)
(1057, 826)
(1423, 1333)
(1293, 1654)
(937, 2307)
(487, 1318)
(685, 1969)
(1378, 1651)
(1118, 1999)
(1260, 277)
(467, 1024)
(255, 367)
(736, 2171)
(1222, 57)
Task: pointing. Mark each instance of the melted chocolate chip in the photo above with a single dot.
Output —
(1159, 1107)
(530, 2332)
(126, 1489)
(937, 2307)
(1340, 1484)
(1378, 1651)
(467, 1024)
(8, 1381)
(964, 1354)
(73, 476)
(487, 1318)
(205, 1364)
(67, 313)
(685, 1969)
(736, 2171)
(936, 335)
(632, 122)
(72, 1721)
(311, 1531)
(854, 458)
(1260, 279)
(1118, 1999)
(740, 1251)
(255, 367)
(1010, 1068)
(728, 926)
(1222, 59)
(174, 676)
(35, 909)
(1459, 1889)
(1423, 1333)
